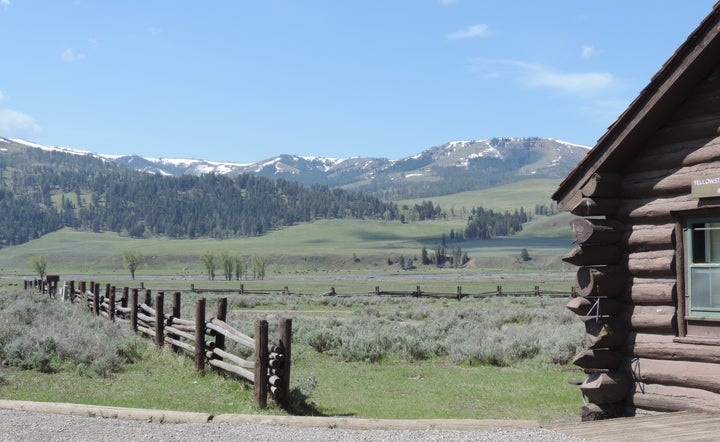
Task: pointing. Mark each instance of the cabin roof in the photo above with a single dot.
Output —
(669, 87)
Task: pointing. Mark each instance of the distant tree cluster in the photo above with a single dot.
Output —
(484, 224)
(426, 211)
(234, 266)
(545, 209)
(456, 258)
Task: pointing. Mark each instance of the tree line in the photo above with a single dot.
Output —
(41, 192)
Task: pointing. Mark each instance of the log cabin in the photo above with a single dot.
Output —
(647, 235)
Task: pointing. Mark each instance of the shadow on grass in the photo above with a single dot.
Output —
(301, 405)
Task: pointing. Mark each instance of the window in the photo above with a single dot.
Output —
(703, 267)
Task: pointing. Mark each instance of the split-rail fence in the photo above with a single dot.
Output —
(203, 338)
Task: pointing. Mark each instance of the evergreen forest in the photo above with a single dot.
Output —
(43, 191)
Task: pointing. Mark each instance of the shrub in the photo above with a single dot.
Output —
(46, 335)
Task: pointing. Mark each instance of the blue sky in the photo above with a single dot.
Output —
(241, 80)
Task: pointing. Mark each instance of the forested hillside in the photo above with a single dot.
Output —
(43, 191)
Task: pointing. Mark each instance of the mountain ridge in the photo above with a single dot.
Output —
(454, 166)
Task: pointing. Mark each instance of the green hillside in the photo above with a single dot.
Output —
(525, 193)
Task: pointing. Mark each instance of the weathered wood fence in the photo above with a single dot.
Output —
(203, 338)
(417, 293)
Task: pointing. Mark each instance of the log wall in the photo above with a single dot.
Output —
(630, 280)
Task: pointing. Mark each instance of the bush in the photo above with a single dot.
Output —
(42, 334)
(493, 331)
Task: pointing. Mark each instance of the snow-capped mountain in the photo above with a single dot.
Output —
(454, 166)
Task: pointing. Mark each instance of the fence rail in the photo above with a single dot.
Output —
(417, 293)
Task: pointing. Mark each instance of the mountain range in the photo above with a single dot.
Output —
(452, 167)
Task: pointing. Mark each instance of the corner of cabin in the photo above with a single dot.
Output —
(647, 199)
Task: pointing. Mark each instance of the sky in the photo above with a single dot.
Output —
(244, 80)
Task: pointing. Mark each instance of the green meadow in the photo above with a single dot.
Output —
(355, 354)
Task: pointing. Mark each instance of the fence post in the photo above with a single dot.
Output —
(81, 289)
(537, 290)
(417, 291)
(134, 309)
(175, 314)
(459, 293)
(285, 339)
(124, 299)
(96, 299)
(148, 298)
(242, 289)
(176, 305)
(377, 290)
(200, 335)
(221, 315)
(159, 319)
(111, 304)
(261, 364)
(498, 292)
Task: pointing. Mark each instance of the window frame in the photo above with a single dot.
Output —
(691, 265)
(693, 328)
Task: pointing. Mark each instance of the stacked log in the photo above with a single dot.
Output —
(602, 281)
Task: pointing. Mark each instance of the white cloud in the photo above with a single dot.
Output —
(447, 2)
(69, 55)
(14, 124)
(588, 51)
(5, 3)
(474, 31)
(2, 95)
(577, 84)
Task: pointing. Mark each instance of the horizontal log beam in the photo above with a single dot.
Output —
(665, 182)
(665, 398)
(172, 320)
(650, 291)
(661, 319)
(178, 332)
(180, 344)
(229, 332)
(593, 254)
(650, 237)
(605, 281)
(654, 210)
(689, 374)
(655, 263)
(237, 360)
(687, 129)
(677, 154)
(249, 375)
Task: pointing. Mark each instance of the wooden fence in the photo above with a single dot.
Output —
(203, 338)
(417, 293)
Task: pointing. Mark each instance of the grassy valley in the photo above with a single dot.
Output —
(354, 354)
(325, 246)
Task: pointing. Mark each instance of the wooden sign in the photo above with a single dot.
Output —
(706, 187)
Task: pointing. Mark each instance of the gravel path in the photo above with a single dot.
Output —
(31, 426)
